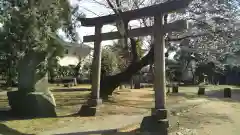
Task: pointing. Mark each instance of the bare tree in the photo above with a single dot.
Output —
(204, 36)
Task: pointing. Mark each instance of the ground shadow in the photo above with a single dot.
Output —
(5, 115)
(70, 89)
(102, 132)
(8, 115)
(187, 85)
(134, 104)
(235, 94)
(76, 102)
(5, 130)
(185, 95)
(213, 95)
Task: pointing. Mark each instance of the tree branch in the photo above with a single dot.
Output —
(169, 39)
(135, 56)
(118, 3)
(112, 7)
(90, 11)
(102, 4)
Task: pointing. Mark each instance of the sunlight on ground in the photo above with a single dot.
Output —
(35, 126)
(54, 86)
(69, 102)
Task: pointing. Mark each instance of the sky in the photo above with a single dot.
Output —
(92, 9)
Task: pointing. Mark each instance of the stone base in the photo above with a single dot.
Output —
(201, 91)
(155, 124)
(159, 113)
(32, 105)
(168, 90)
(137, 86)
(91, 108)
(94, 102)
(67, 85)
(87, 111)
(227, 93)
(175, 89)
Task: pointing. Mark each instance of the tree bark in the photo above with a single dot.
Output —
(77, 69)
(110, 83)
(52, 76)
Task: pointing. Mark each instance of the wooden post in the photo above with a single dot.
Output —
(96, 68)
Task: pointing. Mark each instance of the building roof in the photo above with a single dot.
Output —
(78, 50)
(74, 52)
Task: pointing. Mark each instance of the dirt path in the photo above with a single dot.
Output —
(99, 125)
(189, 115)
(113, 122)
(212, 118)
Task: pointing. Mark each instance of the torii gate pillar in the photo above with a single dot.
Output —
(158, 122)
(90, 108)
(96, 68)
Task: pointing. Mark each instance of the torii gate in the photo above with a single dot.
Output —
(158, 30)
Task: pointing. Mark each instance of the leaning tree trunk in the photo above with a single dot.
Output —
(52, 76)
(77, 69)
(33, 99)
(11, 71)
(110, 83)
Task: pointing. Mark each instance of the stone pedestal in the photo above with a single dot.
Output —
(94, 102)
(227, 92)
(90, 108)
(87, 110)
(168, 86)
(201, 91)
(67, 85)
(137, 85)
(32, 105)
(175, 89)
(156, 124)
